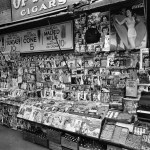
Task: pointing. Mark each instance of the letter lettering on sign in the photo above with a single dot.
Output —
(34, 9)
(23, 3)
(43, 7)
(34, 1)
(16, 3)
(61, 2)
(52, 3)
(23, 12)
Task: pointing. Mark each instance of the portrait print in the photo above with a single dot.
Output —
(128, 27)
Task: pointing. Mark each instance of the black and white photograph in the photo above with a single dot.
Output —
(74, 75)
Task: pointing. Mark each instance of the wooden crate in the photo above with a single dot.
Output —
(54, 146)
(64, 148)
(41, 141)
(82, 148)
(28, 136)
(69, 144)
(54, 136)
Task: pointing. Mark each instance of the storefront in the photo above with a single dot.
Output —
(77, 75)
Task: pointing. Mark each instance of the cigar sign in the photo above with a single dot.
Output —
(23, 9)
(39, 39)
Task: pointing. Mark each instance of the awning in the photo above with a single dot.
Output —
(100, 3)
(35, 19)
(77, 6)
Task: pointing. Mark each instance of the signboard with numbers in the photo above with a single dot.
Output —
(12, 42)
(64, 34)
(31, 40)
(40, 39)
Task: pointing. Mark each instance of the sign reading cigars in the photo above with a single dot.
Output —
(23, 9)
(40, 39)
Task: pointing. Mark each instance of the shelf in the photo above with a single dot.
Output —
(143, 84)
(82, 135)
(117, 144)
(78, 134)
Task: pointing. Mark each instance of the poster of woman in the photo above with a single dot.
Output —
(128, 27)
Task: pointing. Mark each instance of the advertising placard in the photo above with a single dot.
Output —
(13, 42)
(31, 40)
(24, 9)
(39, 40)
(128, 27)
(144, 58)
(44, 39)
(64, 34)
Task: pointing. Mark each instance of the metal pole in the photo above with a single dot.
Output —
(60, 49)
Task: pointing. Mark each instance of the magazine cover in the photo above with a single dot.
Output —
(48, 118)
(131, 88)
(72, 123)
(144, 58)
(27, 112)
(91, 127)
(21, 111)
(58, 120)
(37, 115)
(104, 29)
(130, 105)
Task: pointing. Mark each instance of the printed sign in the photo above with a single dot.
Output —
(128, 27)
(23, 9)
(144, 58)
(131, 88)
(13, 42)
(48, 38)
(31, 40)
(63, 33)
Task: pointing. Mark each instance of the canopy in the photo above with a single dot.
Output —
(99, 3)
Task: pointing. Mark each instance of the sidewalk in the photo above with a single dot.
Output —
(12, 140)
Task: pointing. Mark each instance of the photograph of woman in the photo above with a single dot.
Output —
(130, 23)
(128, 29)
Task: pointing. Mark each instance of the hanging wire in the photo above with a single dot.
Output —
(64, 59)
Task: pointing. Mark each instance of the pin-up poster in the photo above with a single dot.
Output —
(31, 40)
(128, 26)
(13, 42)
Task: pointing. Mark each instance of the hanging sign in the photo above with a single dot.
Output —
(40, 39)
(63, 33)
(23, 9)
(12, 42)
(44, 39)
(31, 40)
